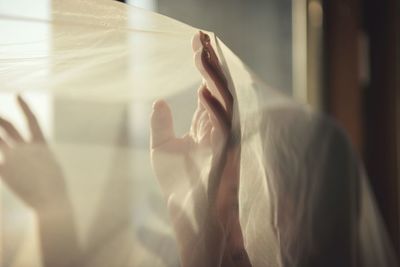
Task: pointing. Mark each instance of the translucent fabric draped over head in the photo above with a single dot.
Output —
(90, 71)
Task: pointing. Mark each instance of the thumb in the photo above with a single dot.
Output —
(162, 128)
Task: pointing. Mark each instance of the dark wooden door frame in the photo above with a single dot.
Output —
(369, 113)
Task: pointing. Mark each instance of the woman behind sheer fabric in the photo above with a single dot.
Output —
(219, 241)
(301, 166)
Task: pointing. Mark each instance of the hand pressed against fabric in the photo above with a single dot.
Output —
(215, 237)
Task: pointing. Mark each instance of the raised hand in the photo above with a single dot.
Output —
(214, 237)
(29, 168)
(31, 171)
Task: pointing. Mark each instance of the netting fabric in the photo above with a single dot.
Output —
(256, 178)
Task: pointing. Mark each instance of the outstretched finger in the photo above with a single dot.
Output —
(213, 81)
(33, 124)
(162, 128)
(212, 58)
(10, 130)
(208, 64)
(219, 117)
(198, 114)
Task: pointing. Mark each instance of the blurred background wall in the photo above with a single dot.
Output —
(238, 23)
(361, 90)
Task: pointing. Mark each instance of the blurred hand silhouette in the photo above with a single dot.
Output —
(30, 169)
(32, 172)
(215, 237)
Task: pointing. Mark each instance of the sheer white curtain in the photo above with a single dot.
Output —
(91, 74)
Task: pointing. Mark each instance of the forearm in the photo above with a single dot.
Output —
(228, 200)
(58, 236)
